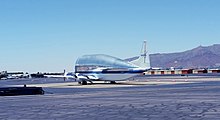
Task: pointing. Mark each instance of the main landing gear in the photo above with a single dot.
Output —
(83, 82)
(112, 82)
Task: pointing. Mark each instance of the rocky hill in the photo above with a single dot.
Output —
(200, 57)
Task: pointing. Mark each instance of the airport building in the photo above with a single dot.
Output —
(181, 71)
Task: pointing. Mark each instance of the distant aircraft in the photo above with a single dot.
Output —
(13, 75)
(3, 75)
(64, 75)
(107, 68)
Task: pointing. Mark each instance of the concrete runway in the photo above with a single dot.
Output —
(145, 98)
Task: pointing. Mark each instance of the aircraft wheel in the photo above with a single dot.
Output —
(83, 82)
(80, 82)
(112, 82)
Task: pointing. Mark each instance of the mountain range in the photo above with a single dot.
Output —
(199, 57)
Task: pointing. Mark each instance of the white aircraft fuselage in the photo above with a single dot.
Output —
(112, 74)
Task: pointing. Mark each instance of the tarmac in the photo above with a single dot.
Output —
(141, 98)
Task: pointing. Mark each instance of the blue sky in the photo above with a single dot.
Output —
(49, 35)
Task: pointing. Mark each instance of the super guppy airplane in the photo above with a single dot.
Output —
(107, 68)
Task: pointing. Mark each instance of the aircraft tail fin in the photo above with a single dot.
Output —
(143, 60)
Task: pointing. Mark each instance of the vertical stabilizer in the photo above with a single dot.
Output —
(143, 60)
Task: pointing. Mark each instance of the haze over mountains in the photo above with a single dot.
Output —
(200, 57)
